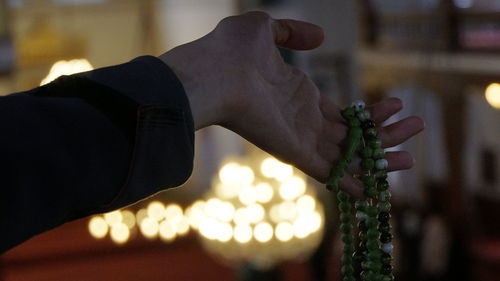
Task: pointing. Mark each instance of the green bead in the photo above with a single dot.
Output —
(388, 278)
(371, 192)
(348, 113)
(354, 122)
(375, 144)
(348, 249)
(374, 255)
(333, 185)
(345, 228)
(347, 238)
(367, 152)
(373, 234)
(367, 265)
(371, 222)
(362, 226)
(368, 164)
(372, 245)
(349, 278)
(378, 153)
(344, 207)
(346, 260)
(345, 217)
(384, 196)
(347, 270)
(382, 185)
(381, 174)
(343, 164)
(355, 133)
(369, 276)
(372, 211)
(369, 180)
(343, 196)
(384, 206)
(370, 133)
(361, 205)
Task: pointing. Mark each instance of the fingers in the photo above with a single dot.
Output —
(400, 131)
(297, 35)
(399, 160)
(384, 109)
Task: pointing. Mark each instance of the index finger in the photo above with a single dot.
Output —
(297, 35)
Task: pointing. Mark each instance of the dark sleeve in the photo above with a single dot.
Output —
(90, 143)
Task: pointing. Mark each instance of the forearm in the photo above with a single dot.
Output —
(91, 143)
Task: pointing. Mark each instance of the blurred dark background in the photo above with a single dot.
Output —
(441, 57)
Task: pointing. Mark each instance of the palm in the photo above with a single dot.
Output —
(270, 103)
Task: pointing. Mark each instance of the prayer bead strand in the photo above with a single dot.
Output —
(373, 254)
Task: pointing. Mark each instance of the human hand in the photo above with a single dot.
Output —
(236, 78)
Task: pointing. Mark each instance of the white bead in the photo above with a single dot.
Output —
(361, 216)
(381, 164)
(387, 247)
(358, 105)
(364, 115)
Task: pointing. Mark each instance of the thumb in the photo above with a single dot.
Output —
(297, 35)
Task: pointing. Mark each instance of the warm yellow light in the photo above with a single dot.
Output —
(255, 213)
(212, 206)
(195, 213)
(113, 218)
(141, 215)
(300, 229)
(306, 203)
(246, 175)
(225, 191)
(167, 230)
(225, 232)
(292, 188)
(272, 168)
(248, 195)
(229, 174)
(149, 227)
(119, 233)
(492, 95)
(98, 227)
(64, 67)
(242, 233)
(225, 212)
(275, 214)
(156, 210)
(209, 228)
(173, 212)
(307, 224)
(128, 218)
(263, 232)
(183, 226)
(241, 216)
(287, 210)
(284, 231)
(264, 192)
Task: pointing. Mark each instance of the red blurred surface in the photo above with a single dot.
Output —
(70, 253)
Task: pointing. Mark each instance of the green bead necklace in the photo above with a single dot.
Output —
(373, 253)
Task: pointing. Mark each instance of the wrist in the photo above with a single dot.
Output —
(206, 107)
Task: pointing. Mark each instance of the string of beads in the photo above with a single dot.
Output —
(372, 256)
